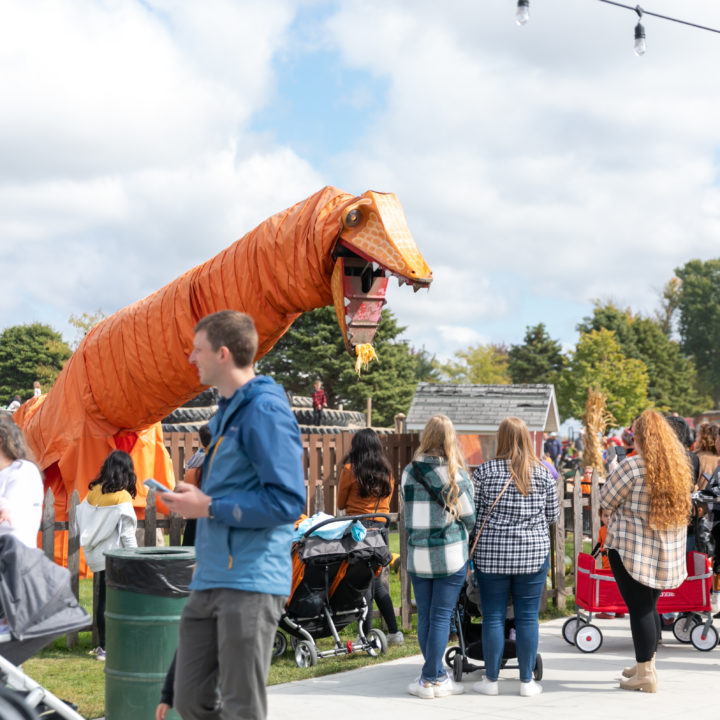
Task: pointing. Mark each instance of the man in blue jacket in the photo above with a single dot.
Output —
(253, 491)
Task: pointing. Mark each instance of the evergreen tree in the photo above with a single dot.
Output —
(313, 348)
(699, 320)
(538, 360)
(598, 362)
(672, 378)
(28, 353)
(479, 364)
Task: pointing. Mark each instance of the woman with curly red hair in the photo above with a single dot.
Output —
(648, 496)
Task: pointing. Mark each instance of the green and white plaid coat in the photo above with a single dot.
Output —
(437, 544)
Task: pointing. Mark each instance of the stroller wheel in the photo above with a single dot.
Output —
(588, 638)
(378, 642)
(538, 670)
(683, 626)
(450, 654)
(305, 654)
(702, 639)
(457, 667)
(279, 645)
(570, 628)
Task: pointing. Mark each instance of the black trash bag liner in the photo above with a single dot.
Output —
(163, 572)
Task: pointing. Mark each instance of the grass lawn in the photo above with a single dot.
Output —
(74, 675)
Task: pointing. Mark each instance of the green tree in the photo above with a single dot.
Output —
(28, 353)
(699, 320)
(598, 362)
(538, 360)
(84, 324)
(672, 377)
(669, 304)
(479, 364)
(427, 368)
(313, 348)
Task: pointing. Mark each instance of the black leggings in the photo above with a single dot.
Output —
(380, 594)
(100, 617)
(641, 602)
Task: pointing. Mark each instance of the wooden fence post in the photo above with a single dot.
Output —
(559, 542)
(73, 562)
(150, 537)
(48, 525)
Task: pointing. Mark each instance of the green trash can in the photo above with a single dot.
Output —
(146, 590)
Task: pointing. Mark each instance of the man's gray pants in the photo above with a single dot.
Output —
(226, 639)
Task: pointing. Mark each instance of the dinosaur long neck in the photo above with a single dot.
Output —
(277, 271)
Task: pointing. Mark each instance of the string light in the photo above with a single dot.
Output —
(522, 14)
(639, 46)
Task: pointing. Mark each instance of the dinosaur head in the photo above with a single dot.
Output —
(374, 244)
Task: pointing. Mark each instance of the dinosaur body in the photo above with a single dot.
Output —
(131, 370)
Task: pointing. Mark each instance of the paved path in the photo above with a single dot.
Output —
(576, 686)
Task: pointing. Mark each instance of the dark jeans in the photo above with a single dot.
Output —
(317, 416)
(526, 590)
(435, 598)
(641, 601)
(100, 618)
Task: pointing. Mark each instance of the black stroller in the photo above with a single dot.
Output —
(330, 580)
(36, 606)
(469, 633)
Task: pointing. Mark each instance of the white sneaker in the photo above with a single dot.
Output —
(396, 638)
(422, 689)
(448, 686)
(486, 687)
(529, 689)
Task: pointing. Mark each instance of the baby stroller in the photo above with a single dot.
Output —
(37, 606)
(469, 633)
(330, 580)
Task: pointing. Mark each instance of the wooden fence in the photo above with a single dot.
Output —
(323, 455)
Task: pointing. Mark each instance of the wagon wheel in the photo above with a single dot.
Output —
(305, 654)
(378, 642)
(569, 629)
(450, 654)
(683, 625)
(588, 638)
(703, 639)
(538, 671)
(457, 667)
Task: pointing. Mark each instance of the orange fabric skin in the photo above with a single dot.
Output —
(131, 369)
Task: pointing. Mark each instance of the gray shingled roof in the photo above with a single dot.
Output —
(481, 408)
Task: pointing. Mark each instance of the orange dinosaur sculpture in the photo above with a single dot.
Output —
(131, 369)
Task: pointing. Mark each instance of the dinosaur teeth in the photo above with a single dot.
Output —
(416, 287)
(388, 274)
(346, 301)
(375, 266)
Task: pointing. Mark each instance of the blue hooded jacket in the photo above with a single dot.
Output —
(254, 475)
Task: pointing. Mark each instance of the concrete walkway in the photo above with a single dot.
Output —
(576, 686)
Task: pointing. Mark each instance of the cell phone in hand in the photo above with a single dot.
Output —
(153, 484)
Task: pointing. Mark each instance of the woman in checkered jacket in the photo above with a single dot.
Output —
(516, 500)
(648, 497)
(439, 513)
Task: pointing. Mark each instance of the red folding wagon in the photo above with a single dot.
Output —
(597, 591)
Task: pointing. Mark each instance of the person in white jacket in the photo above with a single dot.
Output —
(106, 520)
(21, 485)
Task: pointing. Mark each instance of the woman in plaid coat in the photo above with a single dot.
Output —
(439, 513)
(648, 497)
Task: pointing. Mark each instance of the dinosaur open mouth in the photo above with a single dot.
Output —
(359, 286)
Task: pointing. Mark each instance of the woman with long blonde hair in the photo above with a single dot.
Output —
(439, 513)
(648, 497)
(516, 500)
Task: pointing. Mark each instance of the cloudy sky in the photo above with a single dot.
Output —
(539, 167)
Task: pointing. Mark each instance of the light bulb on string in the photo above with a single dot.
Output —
(522, 14)
(639, 46)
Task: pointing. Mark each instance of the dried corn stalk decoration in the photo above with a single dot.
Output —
(597, 418)
(365, 353)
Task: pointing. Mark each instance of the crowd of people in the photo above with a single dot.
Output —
(245, 490)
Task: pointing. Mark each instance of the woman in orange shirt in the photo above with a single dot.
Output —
(366, 486)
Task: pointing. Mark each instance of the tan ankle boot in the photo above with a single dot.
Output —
(645, 679)
(628, 672)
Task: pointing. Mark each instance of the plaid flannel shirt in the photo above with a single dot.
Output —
(516, 537)
(437, 544)
(655, 558)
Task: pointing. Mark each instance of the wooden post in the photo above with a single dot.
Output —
(405, 587)
(176, 528)
(368, 415)
(577, 520)
(150, 538)
(559, 537)
(73, 563)
(48, 525)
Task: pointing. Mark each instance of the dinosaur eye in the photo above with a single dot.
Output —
(353, 218)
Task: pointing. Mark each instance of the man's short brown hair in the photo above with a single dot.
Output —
(234, 330)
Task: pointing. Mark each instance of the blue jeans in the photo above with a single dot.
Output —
(526, 591)
(435, 599)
